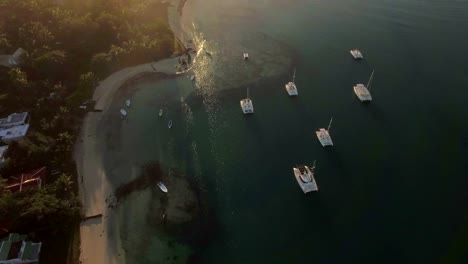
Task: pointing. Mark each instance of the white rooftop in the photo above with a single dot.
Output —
(12, 133)
(14, 120)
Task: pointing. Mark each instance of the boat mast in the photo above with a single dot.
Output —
(248, 93)
(370, 79)
(329, 125)
(294, 75)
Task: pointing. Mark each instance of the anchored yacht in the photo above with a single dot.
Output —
(123, 112)
(160, 112)
(247, 104)
(169, 125)
(291, 86)
(305, 178)
(246, 56)
(363, 92)
(323, 135)
(162, 187)
(127, 102)
(356, 54)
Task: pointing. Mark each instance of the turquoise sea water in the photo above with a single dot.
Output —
(392, 189)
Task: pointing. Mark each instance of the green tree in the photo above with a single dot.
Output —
(51, 64)
(35, 35)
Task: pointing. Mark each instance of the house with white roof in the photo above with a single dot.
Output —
(14, 127)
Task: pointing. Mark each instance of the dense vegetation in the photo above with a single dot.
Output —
(70, 47)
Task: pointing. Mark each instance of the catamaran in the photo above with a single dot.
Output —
(246, 56)
(123, 112)
(127, 102)
(305, 178)
(356, 54)
(169, 125)
(160, 112)
(291, 86)
(162, 187)
(247, 104)
(363, 92)
(323, 135)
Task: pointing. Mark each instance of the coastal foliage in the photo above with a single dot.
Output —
(70, 45)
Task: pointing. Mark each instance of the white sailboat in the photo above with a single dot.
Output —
(305, 178)
(162, 187)
(247, 104)
(291, 86)
(160, 112)
(128, 102)
(323, 135)
(169, 125)
(363, 92)
(123, 112)
(357, 55)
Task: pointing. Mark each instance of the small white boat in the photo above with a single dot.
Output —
(192, 77)
(356, 54)
(182, 99)
(246, 56)
(323, 135)
(123, 112)
(169, 125)
(363, 92)
(160, 112)
(305, 178)
(247, 104)
(162, 187)
(127, 102)
(291, 86)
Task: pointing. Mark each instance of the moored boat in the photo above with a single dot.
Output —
(305, 178)
(356, 54)
(162, 187)
(247, 105)
(363, 92)
(323, 135)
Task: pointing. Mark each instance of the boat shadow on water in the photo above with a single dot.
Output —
(336, 160)
(375, 111)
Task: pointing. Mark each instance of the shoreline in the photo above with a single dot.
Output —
(96, 245)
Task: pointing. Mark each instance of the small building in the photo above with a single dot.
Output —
(16, 133)
(15, 119)
(17, 57)
(33, 179)
(14, 249)
(14, 127)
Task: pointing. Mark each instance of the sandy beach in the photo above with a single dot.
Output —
(96, 245)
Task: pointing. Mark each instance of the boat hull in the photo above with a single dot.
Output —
(162, 187)
(247, 106)
(306, 187)
(291, 89)
(362, 93)
(357, 55)
(324, 137)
